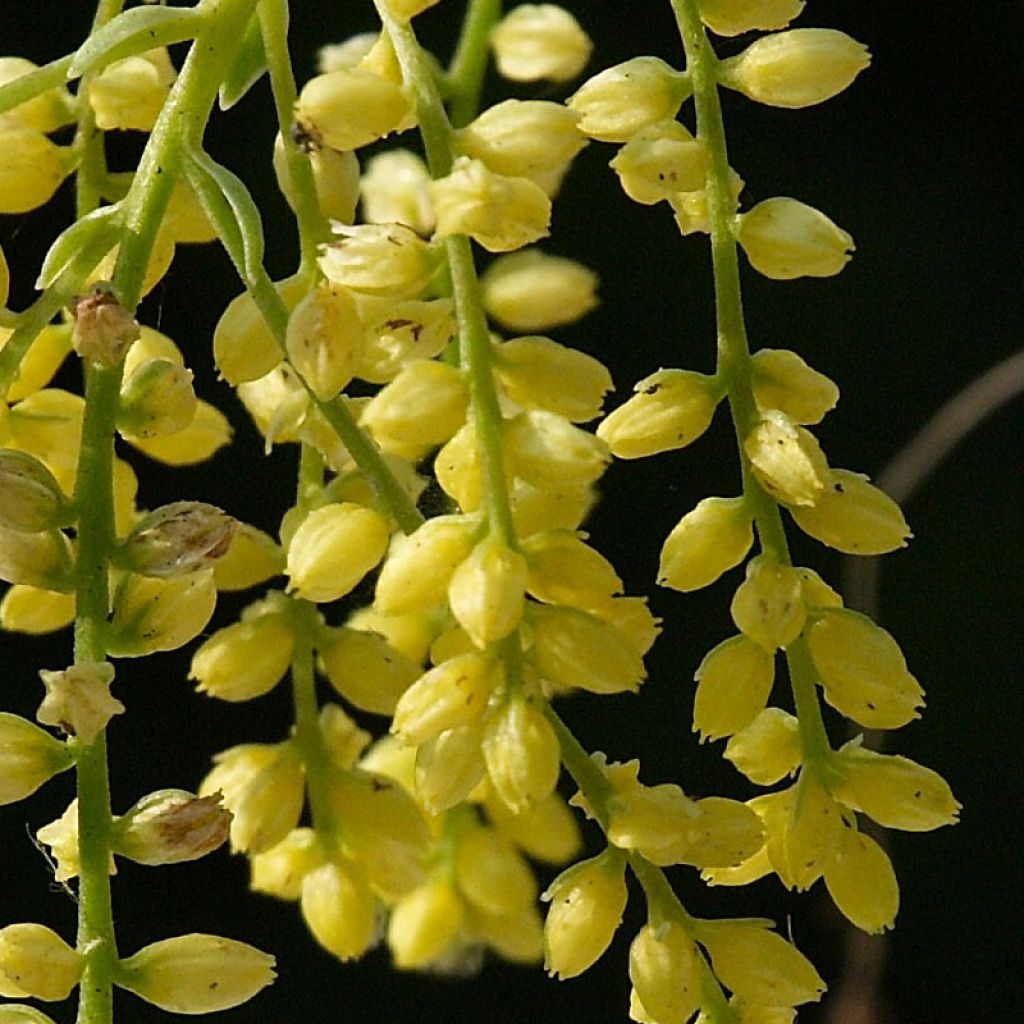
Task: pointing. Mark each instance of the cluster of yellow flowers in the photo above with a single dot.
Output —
(481, 615)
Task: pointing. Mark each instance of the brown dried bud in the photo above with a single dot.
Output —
(103, 328)
(178, 539)
(170, 826)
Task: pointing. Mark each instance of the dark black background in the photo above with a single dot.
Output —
(915, 161)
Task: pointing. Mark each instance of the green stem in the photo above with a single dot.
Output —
(733, 348)
(585, 772)
(35, 83)
(469, 65)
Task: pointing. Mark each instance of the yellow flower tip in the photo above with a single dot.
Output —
(197, 973)
(28, 758)
(798, 68)
(787, 459)
(540, 41)
(587, 904)
(521, 752)
(171, 826)
(733, 684)
(768, 749)
(660, 161)
(280, 870)
(861, 881)
(768, 605)
(334, 547)
(379, 259)
(707, 542)
(324, 340)
(35, 962)
(335, 178)
(424, 924)
(734, 17)
(486, 592)
(78, 700)
(782, 380)
(785, 239)
(665, 969)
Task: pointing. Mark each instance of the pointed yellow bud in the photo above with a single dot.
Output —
(560, 507)
(587, 903)
(733, 684)
(176, 540)
(449, 767)
(410, 634)
(633, 619)
(758, 965)
(785, 239)
(457, 468)
(486, 591)
(31, 500)
(423, 406)
(894, 791)
(335, 177)
(423, 924)
(129, 94)
(244, 660)
(540, 41)
(665, 970)
(565, 570)
(454, 693)
(853, 516)
(78, 699)
(263, 788)
(533, 291)
(171, 826)
(619, 101)
(157, 398)
(491, 873)
(28, 758)
(518, 937)
(659, 161)
(501, 213)
(861, 881)
(862, 670)
(393, 190)
(339, 909)
(768, 749)
(656, 820)
(31, 169)
(546, 830)
(280, 870)
(782, 380)
(252, 557)
(379, 259)
(546, 450)
(798, 68)
(725, 834)
(325, 340)
(706, 542)
(734, 17)
(671, 409)
(787, 460)
(768, 605)
(811, 833)
(349, 108)
(333, 549)
(522, 753)
(538, 373)
(35, 962)
(574, 649)
(817, 593)
(196, 973)
(365, 669)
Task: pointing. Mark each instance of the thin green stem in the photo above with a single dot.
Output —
(469, 65)
(35, 83)
(585, 772)
(733, 348)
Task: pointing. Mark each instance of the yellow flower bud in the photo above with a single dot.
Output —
(252, 557)
(35, 559)
(798, 68)
(46, 112)
(171, 826)
(339, 909)
(244, 660)
(19, 1013)
(343, 740)
(533, 291)
(725, 833)
(410, 634)
(706, 542)
(26, 609)
(574, 649)
(853, 516)
(546, 830)
(734, 17)
(280, 870)
(785, 239)
(365, 669)
(817, 593)
(157, 398)
(208, 432)
(454, 693)
(565, 570)
(263, 788)
(424, 924)
(486, 591)
(423, 406)
(862, 670)
(517, 937)
(587, 903)
(660, 161)
(396, 333)
(501, 213)
(449, 767)
(861, 881)
(538, 373)
(782, 380)
(546, 450)
(768, 748)
(176, 540)
(31, 169)
(196, 973)
(349, 108)
(671, 409)
(393, 190)
(811, 834)
(758, 965)
(335, 177)
(31, 500)
(665, 970)
(768, 605)
(633, 619)
(325, 339)
(540, 41)
(78, 700)
(35, 962)
(733, 684)
(522, 753)
(243, 347)
(458, 471)
(129, 94)
(562, 507)
(523, 138)
(379, 259)
(619, 101)
(787, 459)
(333, 549)
(491, 873)
(28, 758)
(894, 791)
